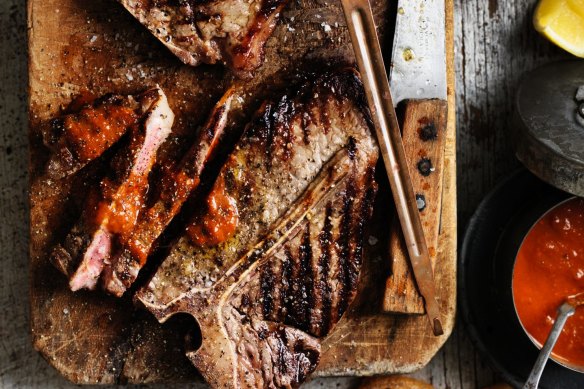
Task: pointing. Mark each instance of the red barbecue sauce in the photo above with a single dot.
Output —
(89, 133)
(176, 189)
(220, 220)
(94, 129)
(120, 211)
(550, 268)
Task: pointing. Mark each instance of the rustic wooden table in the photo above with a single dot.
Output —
(495, 44)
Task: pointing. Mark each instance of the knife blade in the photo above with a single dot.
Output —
(418, 69)
(418, 81)
(370, 61)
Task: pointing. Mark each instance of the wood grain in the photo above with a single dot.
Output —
(424, 137)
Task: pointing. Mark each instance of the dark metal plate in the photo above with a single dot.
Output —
(548, 133)
(488, 252)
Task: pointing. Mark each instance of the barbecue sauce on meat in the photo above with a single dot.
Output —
(121, 212)
(220, 220)
(177, 189)
(94, 129)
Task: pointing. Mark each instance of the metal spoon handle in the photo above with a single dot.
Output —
(564, 311)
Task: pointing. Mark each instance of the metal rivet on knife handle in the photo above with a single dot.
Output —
(420, 202)
(428, 132)
(368, 53)
(425, 166)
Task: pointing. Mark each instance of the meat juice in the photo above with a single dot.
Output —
(550, 268)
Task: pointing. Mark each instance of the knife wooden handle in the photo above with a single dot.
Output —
(424, 135)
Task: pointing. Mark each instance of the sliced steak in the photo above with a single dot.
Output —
(112, 209)
(125, 264)
(78, 138)
(232, 32)
(267, 292)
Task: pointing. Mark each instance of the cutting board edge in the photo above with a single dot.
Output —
(449, 208)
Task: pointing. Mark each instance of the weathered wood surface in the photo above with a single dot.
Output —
(495, 44)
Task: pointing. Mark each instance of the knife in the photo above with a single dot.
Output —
(418, 83)
(370, 61)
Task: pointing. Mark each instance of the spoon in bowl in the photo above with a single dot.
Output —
(565, 310)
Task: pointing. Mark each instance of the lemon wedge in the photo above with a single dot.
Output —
(562, 22)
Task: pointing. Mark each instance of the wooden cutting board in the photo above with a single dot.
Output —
(92, 338)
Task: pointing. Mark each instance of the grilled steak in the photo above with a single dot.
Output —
(125, 264)
(232, 32)
(280, 265)
(78, 138)
(112, 209)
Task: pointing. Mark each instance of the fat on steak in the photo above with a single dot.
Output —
(78, 138)
(123, 267)
(302, 181)
(112, 208)
(232, 32)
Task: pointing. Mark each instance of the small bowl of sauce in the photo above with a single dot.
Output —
(549, 268)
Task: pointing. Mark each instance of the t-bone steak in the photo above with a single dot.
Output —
(294, 197)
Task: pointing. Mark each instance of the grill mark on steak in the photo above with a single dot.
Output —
(325, 241)
(251, 337)
(178, 185)
(267, 285)
(287, 290)
(111, 211)
(305, 131)
(267, 132)
(273, 128)
(303, 296)
(232, 32)
(283, 117)
(344, 276)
